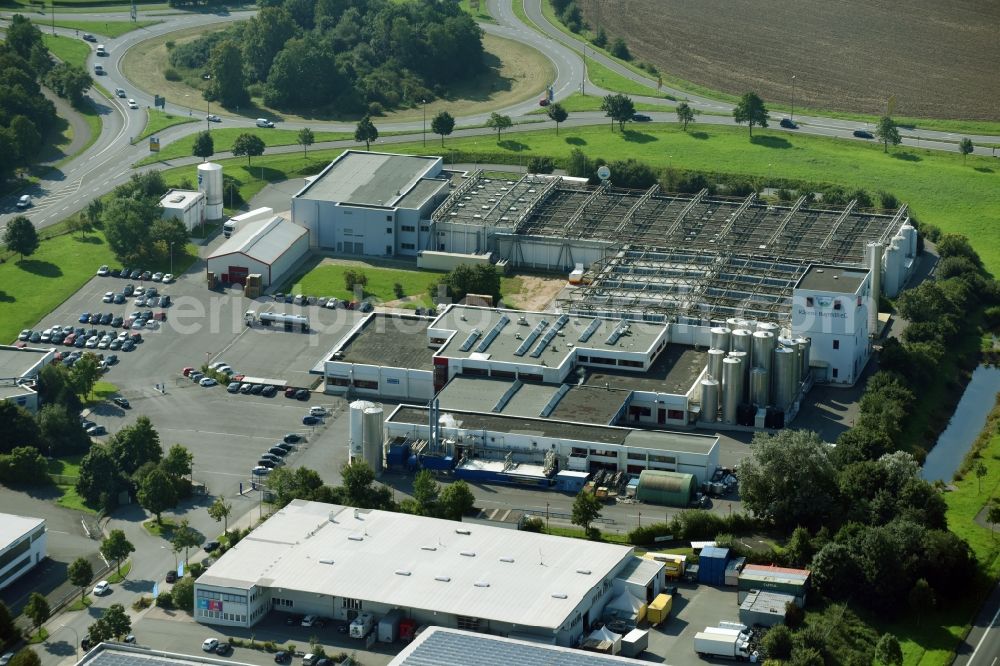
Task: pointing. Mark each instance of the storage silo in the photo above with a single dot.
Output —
(805, 348)
(763, 345)
(364, 416)
(892, 275)
(709, 400)
(372, 438)
(720, 338)
(732, 388)
(909, 232)
(744, 358)
(760, 387)
(784, 376)
(734, 323)
(715, 357)
(210, 182)
(742, 340)
(770, 327)
(874, 254)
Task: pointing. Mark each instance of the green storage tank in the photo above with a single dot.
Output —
(666, 488)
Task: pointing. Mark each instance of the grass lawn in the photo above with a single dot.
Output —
(117, 576)
(99, 28)
(39, 637)
(480, 13)
(165, 528)
(609, 79)
(102, 392)
(224, 138)
(67, 49)
(157, 121)
(328, 280)
(79, 604)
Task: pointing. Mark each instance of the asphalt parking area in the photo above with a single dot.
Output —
(695, 607)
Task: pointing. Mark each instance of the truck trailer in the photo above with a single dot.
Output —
(234, 223)
(388, 627)
(291, 322)
(727, 643)
(362, 625)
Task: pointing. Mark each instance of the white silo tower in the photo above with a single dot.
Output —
(210, 182)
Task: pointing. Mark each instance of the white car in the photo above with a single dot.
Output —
(103, 270)
(24, 201)
(92, 342)
(316, 410)
(260, 470)
(102, 588)
(207, 381)
(5, 658)
(212, 118)
(210, 644)
(108, 296)
(152, 325)
(216, 365)
(311, 620)
(168, 277)
(132, 104)
(157, 277)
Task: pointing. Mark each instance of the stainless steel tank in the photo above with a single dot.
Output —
(763, 346)
(760, 387)
(742, 340)
(784, 382)
(720, 338)
(715, 357)
(732, 388)
(745, 360)
(709, 400)
(805, 349)
(770, 327)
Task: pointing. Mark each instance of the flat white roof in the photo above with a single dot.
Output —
(180, 198)
(264, 240)
(416, 562)
(14, 527)
(372, 179)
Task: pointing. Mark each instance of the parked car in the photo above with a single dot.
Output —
(289, 392)
(210, 546)
(245, 388)
(284, 446)
(265, 462)
(269, 391)
(103, 270)
(863, 134)
(260, 470)
(168, 278)
(310, 420)
(157, 277)
(24, 201)
(97, 431)
(233, 387)
(277, 451)
(282, 657)
(145, 275)
(172, 576)
(119, 299)
(102, 588)
(316, 410)
(302, 394)
(122, 402)
(209, 644)
(640, 118)
(207, 381)
(224, 649)
(788, 123)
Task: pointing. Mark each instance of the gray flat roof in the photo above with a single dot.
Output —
(439, 646)
(650, 439)
(421, 192)
(116, 654)
(674, 371)
(589, 404)
(820, 277)
(16, 362)
(368, 179)
(579, 332)
(390, 340)
(14, 527)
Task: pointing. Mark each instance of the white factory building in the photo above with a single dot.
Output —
(22, 546)
(19, 368)
(271, 246)
(340, 562)
(188, 206)
(373, 204)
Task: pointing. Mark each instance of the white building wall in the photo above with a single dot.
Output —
(288, 261)
(227, 606)
(407, 232)
(393, 383)
(460, 238)
(220, 265)
(839, 334)
(24, 553)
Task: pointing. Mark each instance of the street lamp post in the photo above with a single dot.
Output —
(424, 102)
(208, 114)
(171, 258)
(76, 646)
(793, 98)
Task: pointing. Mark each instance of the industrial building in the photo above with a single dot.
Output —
(765, 609)
(19, 368)
(271, 247)
(340, 562)
(373, 204)
(185, 205)
(439, 646)
(782, 580)
(22, 546)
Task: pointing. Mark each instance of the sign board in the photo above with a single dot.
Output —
(659, 539)
(154, 144)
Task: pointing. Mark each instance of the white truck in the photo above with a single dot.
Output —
(388, 627)
(234, 223)
(362, 625)
(727, 643)
(291, 322)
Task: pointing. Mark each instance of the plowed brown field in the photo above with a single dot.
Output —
(939, 59)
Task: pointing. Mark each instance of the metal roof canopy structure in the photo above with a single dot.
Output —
(439, 646)
(370, 179)
(532, 580)
(694, 257)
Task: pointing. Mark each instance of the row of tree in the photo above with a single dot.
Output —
(133, 223)
(338, 55)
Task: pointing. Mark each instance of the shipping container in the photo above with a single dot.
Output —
(388, 627)
(659, 609)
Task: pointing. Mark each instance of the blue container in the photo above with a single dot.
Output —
(712, 565)
(411, 462)
(437, 462)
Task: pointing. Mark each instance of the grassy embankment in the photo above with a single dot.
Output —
(157, 121)
(224, 137)
(75, 52)
(110, 29)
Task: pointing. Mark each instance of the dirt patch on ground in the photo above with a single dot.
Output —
(937, 58)
(536, 292)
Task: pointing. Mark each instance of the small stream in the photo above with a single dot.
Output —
(966, 423)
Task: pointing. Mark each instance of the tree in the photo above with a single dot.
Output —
(600, 39)
(965, 147)
(777, 642)
(366, 131)
(456, 500)
(26, 657)
(557, 114)
(70, 81)
(204, 146)
(248, 144)
(619, 49)
(157, 493)
(921, 598)
(425, 493)
(182, 594)
(37, 610)
(24, 466)
(499, 123)
(185, 537)
(888, 652)
(21, 237)
(619, 108)
(127, 221)
(305, 138)
(751, 110)
(8, 630)
(116, 547)
(17, 427)
(993, 517)
(359, 488)
(586, 509)
(465, 279)
(84, 375)
(981, 471)
(799, 550)
(98, 631)
(135, 445)
(354, 279)
(805, 498)
(178, 463)
(80, 573)
(685, 114)
(887, 132)
(220, 510)
(443, 124)
(226, 68)
(99, 475)
(117, 621)
(61, 431)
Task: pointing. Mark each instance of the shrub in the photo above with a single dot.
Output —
(397, 289)
(532, 525)
(887, 200)
(170, 44)
(170, 74)
(541, 165)
(141, 603)
(375, 109)
(353, 278)
(619, 49)
(196, 569)
(165, 600)
(600, 40)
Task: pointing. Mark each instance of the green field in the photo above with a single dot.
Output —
(328, 280)
(66, 470)
(157, 121)
(225, 137)
(67, 49)
(99, 28)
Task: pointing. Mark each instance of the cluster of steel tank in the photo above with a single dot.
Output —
(751, 363)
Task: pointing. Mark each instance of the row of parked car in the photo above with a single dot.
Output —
(85, 338)
(324, 302)
(144, 296)
(275, 455)
(135, 274)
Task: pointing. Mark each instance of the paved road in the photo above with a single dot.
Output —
(982, 646)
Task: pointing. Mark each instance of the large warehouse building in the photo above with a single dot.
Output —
(22, 546)
(339, 562)
(272, 247)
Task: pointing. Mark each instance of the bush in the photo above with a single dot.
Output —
(777, 643)
(142, 603)
(376, 109)
(170, 74)
(600, 40)
(541, 165)
(165, 600)
(534, 524)
(397, 289)
(196, 569)
(887, 200)
(353, 278)
(619, 49)
(170, 44)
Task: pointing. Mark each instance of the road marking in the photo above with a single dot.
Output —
(983, 638)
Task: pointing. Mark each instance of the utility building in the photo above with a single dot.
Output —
(19, 368)
(271, 246)
(185, 205)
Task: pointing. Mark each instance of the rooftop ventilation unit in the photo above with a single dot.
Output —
(428, 548)
(468, 553)
(481, 583)
(356, 537)
(460, 530)
(530, 340)
(443, 579)
(549, 336)
(559, 595)
(508, 560)
(326, 561)
(401, 572)
(494, 332)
